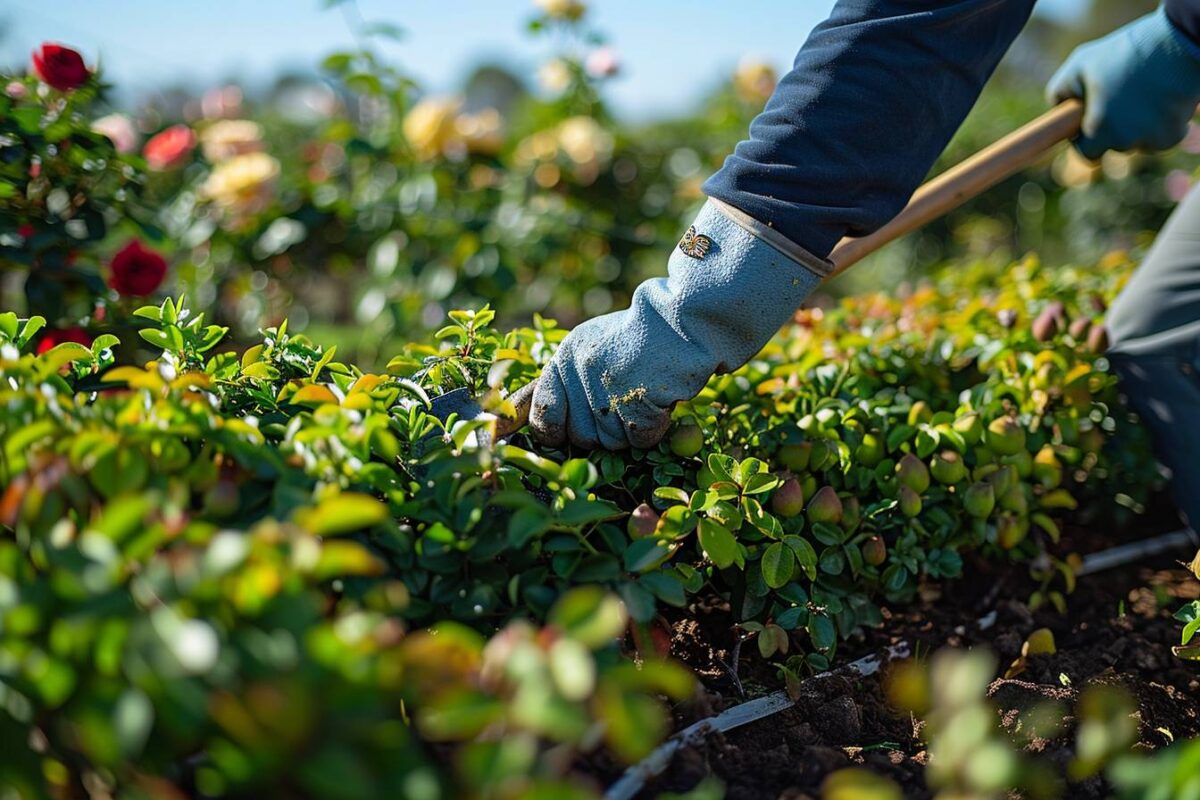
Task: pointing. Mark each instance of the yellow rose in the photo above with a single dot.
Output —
(241, 184)
(230, 137)
(554, 76)
(483, 131)
(561, 9)
(430, 125)
(584, 141)
(754, 80)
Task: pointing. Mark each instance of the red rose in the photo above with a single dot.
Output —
(25, 231)
(53, 338)
(59, 66)
(169, 148)
(136, 271)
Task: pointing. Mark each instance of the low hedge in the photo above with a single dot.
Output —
(215, 568)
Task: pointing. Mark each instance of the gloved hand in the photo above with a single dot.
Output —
(1140, 85)
(732, 284)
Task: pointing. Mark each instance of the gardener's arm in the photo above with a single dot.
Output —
(874, 96)
(875, 93)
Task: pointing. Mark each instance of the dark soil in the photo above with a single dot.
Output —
(1118, 630)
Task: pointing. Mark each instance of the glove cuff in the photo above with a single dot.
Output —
(820, 267)
(1175, 40)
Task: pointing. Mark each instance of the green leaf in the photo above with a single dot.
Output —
(526, 524)
(579, 474)
(342, 513)
(589, 615)
(806, 556)
(747, 469)
(1189, 631)
(762, 482)
(828, 534)
(580, 512)
(899, 435)
(156, 337)
(336, 62)
(646, 554)
(459, 714)
(676, 522)
(8, 325)
(832, 561)
(822, 632)
(673, 494)
(718, 543)
(103, 342)
(927, 442)
(634, 723)
(1189, 612)
(133, 717)
(259, 370)
(530, 462)
(124, 516)
(343, 557)
(638, 601)
(761, 520)
(65, 353)
(894, 578)
(792, 618)
(32, 326)
(325, 358)
(149, 312)
(491, 763)
(778, 564)
(665, 587)
(722, 467)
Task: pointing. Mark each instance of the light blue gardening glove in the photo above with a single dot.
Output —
(732, 284)
(1140, 85)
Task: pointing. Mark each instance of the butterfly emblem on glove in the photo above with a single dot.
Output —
(695, 244)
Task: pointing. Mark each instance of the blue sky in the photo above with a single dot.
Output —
(671, 51)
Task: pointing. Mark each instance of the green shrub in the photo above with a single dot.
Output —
(194, 545)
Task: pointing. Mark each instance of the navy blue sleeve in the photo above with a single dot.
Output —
(1185, 15)
(873, 98)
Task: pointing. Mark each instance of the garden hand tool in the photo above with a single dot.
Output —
(779, 287)
(466, 407)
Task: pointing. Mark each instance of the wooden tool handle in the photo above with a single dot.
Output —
(966, 180)
(521, 399)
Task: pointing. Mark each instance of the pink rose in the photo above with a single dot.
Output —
(602, 63)
(170, 148)
(119, 130)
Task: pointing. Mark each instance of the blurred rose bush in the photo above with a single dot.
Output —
(368, 209)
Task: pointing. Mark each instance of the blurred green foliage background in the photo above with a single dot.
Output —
(362, 208)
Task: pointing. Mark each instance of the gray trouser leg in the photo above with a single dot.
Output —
(1154, 327)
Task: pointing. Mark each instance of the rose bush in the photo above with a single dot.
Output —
(369, 211)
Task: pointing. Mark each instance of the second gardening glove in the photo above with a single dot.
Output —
(732, 284)
(1139, 84)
